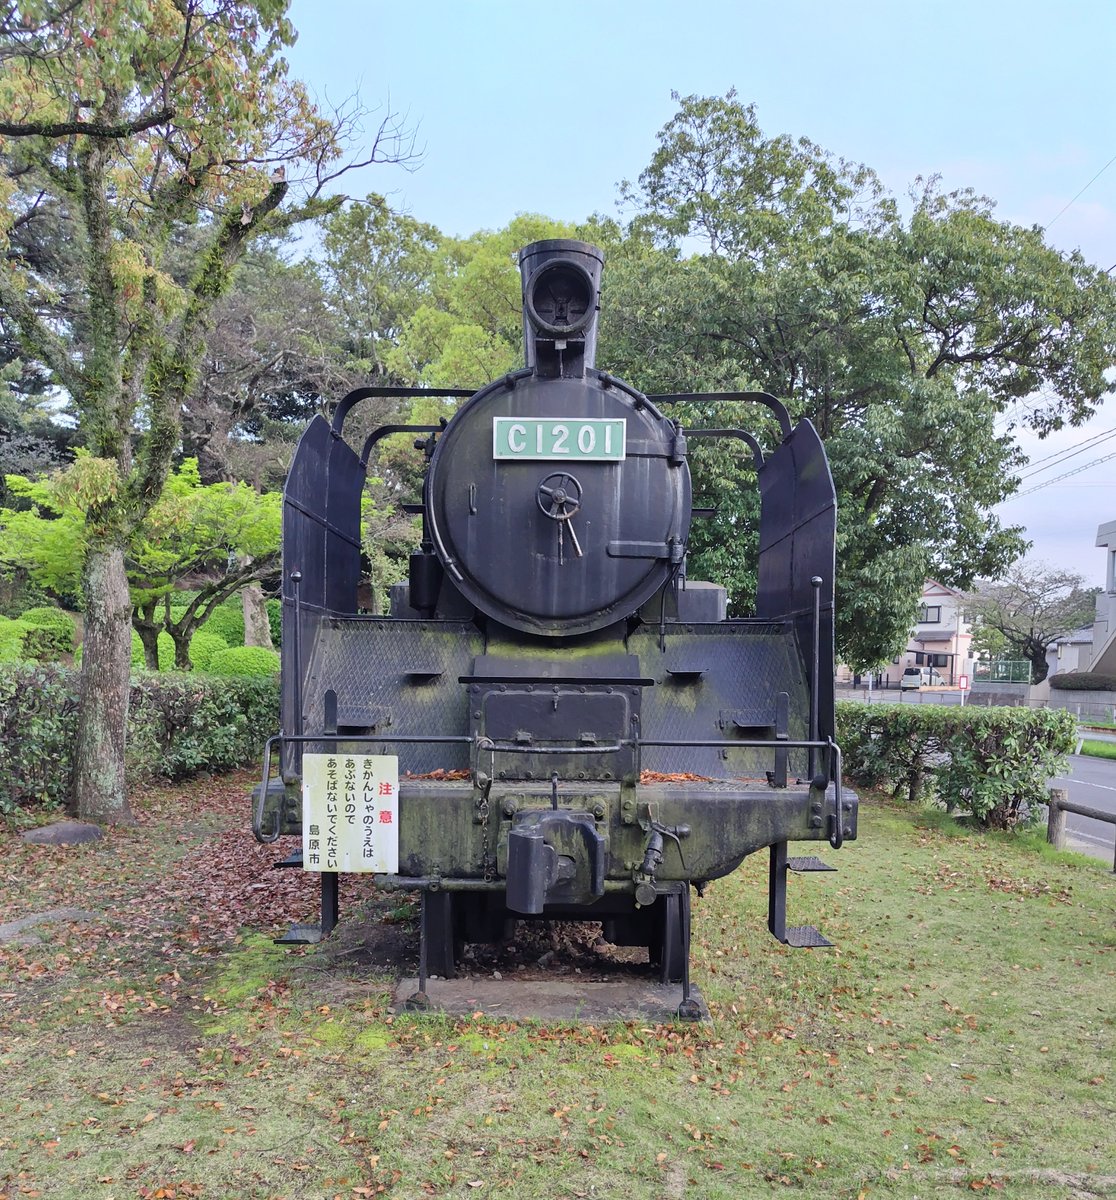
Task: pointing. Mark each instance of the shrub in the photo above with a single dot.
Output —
(275, 620)
(1083, 681)
(227, 621)
(12, 637)
(203, 646)
(992, 762)
(54, 632)
(178, 724)
(181, 723)
(38, 721)
(246, 661)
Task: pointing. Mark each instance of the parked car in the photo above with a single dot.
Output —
(917, 677)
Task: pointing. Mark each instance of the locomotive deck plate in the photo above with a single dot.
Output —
(572, 999)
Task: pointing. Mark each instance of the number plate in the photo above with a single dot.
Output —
(559, 439)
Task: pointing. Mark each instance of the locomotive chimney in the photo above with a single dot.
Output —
(561, 299)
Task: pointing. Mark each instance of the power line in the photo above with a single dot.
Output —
(1076, 471)
(1061, 456)
(1083, 190)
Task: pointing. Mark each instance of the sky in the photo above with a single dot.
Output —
(527, 107)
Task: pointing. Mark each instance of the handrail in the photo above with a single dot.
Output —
(764, 398)
(743, 435)
(347, 403)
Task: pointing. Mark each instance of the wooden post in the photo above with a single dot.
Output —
(1056, 822)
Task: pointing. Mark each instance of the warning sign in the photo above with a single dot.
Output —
(350, 812)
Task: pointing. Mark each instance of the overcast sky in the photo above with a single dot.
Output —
(523, 107)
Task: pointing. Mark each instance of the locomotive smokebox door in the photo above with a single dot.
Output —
(558, 507)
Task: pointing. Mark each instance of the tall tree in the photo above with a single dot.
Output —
(126, 122)
(225, 533)
(1030, 607)
(904, 338)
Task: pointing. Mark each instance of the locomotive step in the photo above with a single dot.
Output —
(294, 859)
(805, 937)
(808, 862)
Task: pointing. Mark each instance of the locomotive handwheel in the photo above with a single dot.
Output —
(559, 496)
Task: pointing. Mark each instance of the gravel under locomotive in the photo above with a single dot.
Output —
(550, 655)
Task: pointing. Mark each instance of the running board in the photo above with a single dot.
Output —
(800, 937)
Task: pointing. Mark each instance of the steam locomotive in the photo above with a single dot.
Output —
(570, 727)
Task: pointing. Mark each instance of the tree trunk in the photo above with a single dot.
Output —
(148, 631)
(257, 627)
(99, 792)
(1035, 651)
(181, 638)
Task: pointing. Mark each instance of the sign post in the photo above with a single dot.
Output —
(963, 684)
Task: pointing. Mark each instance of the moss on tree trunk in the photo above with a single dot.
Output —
(99, 792)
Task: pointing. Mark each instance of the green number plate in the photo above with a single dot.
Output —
(587, 439)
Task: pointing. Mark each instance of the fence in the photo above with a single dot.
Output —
(1095, 706)
(1060, 804)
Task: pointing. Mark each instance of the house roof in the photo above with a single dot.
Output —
(1078, 637)
(933, 583)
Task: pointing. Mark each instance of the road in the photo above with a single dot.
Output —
(1091, 781)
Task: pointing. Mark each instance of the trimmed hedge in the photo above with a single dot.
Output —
(1083, 681)
(254, 661)
(994, 763)
(178, 724)
(12, 637)
(55, 630)
(38, 635)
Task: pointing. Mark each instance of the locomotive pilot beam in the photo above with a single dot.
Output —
(554, 722)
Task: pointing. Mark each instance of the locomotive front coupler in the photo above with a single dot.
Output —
(644, 876)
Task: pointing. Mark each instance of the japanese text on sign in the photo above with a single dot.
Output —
(350, 812)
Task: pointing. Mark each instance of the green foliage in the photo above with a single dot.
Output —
(56, 628)
(1083, 681)
(181, 724)
(38, 720)
(468, 328)
(177, 725)
(203, 646)
(192, 527)
(904, 339)
(1095, 749)
(40, 634)
(255, 661)
(227, 621)
(1030, 606)
(275, 621)
(993, 763)
(12, 636)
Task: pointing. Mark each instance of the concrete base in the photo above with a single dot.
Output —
(579, 1001)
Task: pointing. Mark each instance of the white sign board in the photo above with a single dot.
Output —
(350, 812)
(963, 682)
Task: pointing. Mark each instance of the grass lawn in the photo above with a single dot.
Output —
(960, 1039)
(1098, 749)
